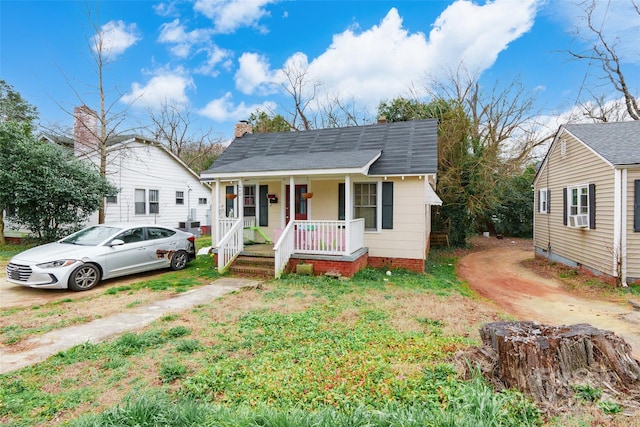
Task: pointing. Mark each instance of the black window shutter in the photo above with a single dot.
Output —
(539, 198)
(341, 196)
(264, 206)
(387, 205)
(548, 201)
(229, 202)
(636, 205)
(592, 206)
(564, 205)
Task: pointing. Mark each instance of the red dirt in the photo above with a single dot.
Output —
(495, 270)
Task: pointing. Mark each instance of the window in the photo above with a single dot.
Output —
(154, 201)
(179, 197)
(131, 236)
(250, 201)
(365, 204)
(580, 206)
(543, 201)
(154, 233)
(140, 202)
(202, 200)
(112, 200)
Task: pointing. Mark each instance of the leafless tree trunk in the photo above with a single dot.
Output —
(604, 51)
(302, 91)
(173, 127)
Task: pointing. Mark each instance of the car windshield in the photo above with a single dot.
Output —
(91, 236)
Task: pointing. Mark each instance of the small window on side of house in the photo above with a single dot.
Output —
(154, 201)
(179, 197)
(202, 200)
(140, 207)
(112, 200)
(543, 202)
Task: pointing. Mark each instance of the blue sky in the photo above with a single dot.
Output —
(224, 59)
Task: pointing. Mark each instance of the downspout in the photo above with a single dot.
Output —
(619, 216)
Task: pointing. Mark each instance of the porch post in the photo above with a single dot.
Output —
(216, 215)
(348, 212)
(292, 198)
(240, 200)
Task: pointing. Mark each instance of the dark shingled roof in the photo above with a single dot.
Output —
(617, 142)
(407, 148)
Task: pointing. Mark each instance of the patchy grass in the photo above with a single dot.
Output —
(373, 348)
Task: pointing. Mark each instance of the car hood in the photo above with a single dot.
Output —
(52, 252)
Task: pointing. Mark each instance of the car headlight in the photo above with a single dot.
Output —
(57, 263)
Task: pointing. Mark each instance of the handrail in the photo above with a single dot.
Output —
(230, 246)
(283, 249)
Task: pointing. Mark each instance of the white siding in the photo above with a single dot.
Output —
(148, 167)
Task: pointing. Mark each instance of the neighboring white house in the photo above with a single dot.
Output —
(155, 186)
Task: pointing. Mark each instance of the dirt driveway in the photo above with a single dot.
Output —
(496, 272)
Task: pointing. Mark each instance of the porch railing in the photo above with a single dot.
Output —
(247, 223)
(317, 238)
(230, 246)
(284, 248)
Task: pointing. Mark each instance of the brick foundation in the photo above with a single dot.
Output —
(322, 266)
(411, 264)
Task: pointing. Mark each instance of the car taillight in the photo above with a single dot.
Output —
(192, 239)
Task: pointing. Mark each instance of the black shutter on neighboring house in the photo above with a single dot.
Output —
(264, 206)
(539, 198)
(229, 202)
(592, 206)
(387, 205)
(341, 213)
(564, 205)
(636, 205)
(548, 201)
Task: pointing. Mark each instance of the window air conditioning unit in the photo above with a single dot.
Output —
(579, 221)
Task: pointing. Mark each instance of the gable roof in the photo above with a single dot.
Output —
(616, 142)
(399, 148)
(68, 143)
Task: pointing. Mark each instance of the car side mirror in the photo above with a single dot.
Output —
(116, 242)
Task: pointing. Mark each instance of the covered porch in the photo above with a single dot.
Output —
(295, 235)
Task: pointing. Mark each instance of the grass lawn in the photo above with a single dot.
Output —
(376, 350)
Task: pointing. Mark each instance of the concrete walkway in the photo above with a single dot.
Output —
(99, 330)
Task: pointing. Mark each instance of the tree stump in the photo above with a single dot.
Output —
(544, 362)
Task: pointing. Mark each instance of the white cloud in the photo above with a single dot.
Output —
(116, 37)
(166, 9)
(254, 75)
(229, 15)
(183, 41)
(387, 60)
(215, 55)
(166, 86)
(223, 109)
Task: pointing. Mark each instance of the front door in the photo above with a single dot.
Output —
(300, 203)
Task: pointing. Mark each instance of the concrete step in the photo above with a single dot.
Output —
(252, 271)
(258, 261)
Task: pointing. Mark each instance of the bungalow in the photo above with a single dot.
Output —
(339, 199)
(587, 192)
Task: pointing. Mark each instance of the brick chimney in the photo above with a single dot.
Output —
(85, 131)
(382, 119)
(242, 129)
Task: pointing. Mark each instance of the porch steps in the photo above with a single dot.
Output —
(253, 266)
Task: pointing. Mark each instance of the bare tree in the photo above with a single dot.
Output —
(96, 127)
(303, 91)
(604, 50)
(173, 126)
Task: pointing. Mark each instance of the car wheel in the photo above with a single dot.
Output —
(179, 260)
(84, 278)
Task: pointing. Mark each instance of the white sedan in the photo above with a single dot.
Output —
(81, 260)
